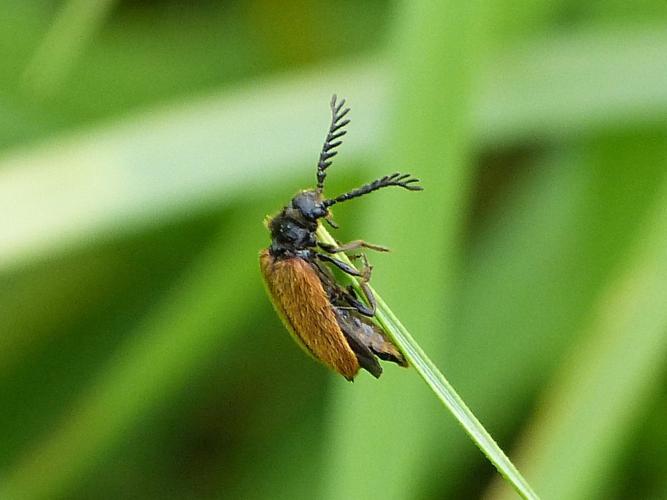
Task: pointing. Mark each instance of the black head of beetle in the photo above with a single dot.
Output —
(293, 229)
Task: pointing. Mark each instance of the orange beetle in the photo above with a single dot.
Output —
(328, 320)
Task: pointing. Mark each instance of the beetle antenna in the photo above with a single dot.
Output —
(332, 141)
(397, 179)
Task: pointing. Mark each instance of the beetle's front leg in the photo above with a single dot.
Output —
(339, 264)
(352, 245)
(365, 278)
(364, 275)
(351, 295)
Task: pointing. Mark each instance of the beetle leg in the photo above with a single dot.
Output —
(365, 278)
(326, 247)
(331, 222)
(365, 275)
(351, 295)
(360, 306)
(339, 264)
(370, 298)
(352, 245)
(366, 269)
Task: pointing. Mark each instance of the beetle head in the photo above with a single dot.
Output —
(310, 205)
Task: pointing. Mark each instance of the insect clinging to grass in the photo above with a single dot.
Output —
(330, 321)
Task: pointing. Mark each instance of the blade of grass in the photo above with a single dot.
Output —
(441, 387)
(172, 343)
(534, 273)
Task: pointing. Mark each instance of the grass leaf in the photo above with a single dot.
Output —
(441, 387)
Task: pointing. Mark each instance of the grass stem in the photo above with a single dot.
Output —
(440, 386)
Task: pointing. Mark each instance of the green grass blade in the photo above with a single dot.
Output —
(532, 276)
(442, 389)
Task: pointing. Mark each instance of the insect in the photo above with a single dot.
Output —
(330, 321)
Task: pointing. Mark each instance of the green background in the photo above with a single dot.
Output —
(143, 142)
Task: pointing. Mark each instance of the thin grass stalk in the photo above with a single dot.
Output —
(440, 386)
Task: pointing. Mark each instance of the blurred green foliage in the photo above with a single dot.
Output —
(141, 145)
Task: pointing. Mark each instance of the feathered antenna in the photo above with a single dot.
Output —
(401, 180)
(332, 142)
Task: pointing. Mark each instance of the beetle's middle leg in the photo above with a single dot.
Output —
(364, 275)
(346, 268)
(368, 294)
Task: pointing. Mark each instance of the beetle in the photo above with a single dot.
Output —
(328, 320)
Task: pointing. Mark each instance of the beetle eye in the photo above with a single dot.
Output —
(318, 211)
(309, 206)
